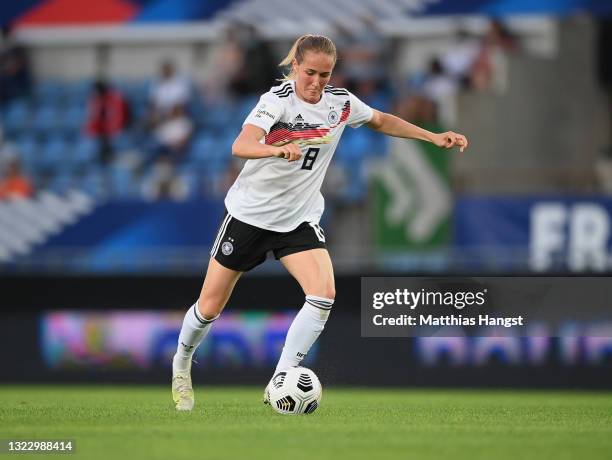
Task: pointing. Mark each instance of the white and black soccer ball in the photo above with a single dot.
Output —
(295, 391)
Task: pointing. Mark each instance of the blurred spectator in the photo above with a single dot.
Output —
(227, 63)
(108, 116)
(417, 108)
(441, 88)
(170, 124)
(258, 71)
(459, 59)
(173, 134)
(163, 183)
(13, 183)
(490, 69)
(166, 93)
(15, 79)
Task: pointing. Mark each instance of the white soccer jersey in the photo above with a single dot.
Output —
(273, 194)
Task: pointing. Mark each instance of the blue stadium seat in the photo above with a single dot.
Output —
(245, 106)
(28, 152)
(73, 120)
(77, 93)
(218, 118)
(354, 146)
(122, 142)
(379, 145)
(139, 110)
(380, 100)
(92, 182)
(201, 148)
(214, 154)
(224, 147)
(17, 118)
(197, 110)
(55, 155)
(46, 120)
(142, 89)
(61, 182)
(137, 95)
(123, 85)
(356, 187)
(135, 91)
(49, 93)
(191, 179)
(353, 150)
(122, 182)
(85, 152)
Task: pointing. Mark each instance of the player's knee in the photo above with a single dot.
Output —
(326, 292)
(323, 286)
(329, 288)
(209, 307)
(330, 293)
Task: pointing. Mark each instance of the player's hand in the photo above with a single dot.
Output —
(289, 152)
(451, 139)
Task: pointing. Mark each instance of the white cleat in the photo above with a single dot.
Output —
(182, 391)
(266, 395)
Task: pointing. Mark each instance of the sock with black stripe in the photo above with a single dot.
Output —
(193, 331)
(304, 330)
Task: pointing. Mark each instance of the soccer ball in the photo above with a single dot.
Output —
(295, 391)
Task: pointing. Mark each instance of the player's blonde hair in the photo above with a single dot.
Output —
(308, 42)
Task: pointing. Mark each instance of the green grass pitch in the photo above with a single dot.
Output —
(139, 422)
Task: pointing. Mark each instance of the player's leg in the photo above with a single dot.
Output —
(314, 271)
(216, 290)
(238, 248)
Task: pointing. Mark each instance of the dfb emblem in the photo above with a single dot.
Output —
(227, 248)
(332, 118)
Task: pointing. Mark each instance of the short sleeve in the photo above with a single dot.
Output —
(266, 113)
(360, 112)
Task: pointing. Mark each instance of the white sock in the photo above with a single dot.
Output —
(194, 329)
(304, 330)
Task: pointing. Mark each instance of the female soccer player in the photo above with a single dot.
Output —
(275, 203)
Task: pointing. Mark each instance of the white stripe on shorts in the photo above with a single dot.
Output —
(220, 235)
(318, 231)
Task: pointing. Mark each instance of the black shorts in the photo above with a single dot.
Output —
(241, 247)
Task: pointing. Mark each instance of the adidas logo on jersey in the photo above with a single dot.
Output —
(298, 118)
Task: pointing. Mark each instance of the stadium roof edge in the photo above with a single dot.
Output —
(208, 31)
(119, 33)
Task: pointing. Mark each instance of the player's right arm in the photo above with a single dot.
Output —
(248, 145)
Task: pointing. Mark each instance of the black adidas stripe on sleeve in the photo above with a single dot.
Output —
(284, 91)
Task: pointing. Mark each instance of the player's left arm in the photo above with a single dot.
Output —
(395, 126)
